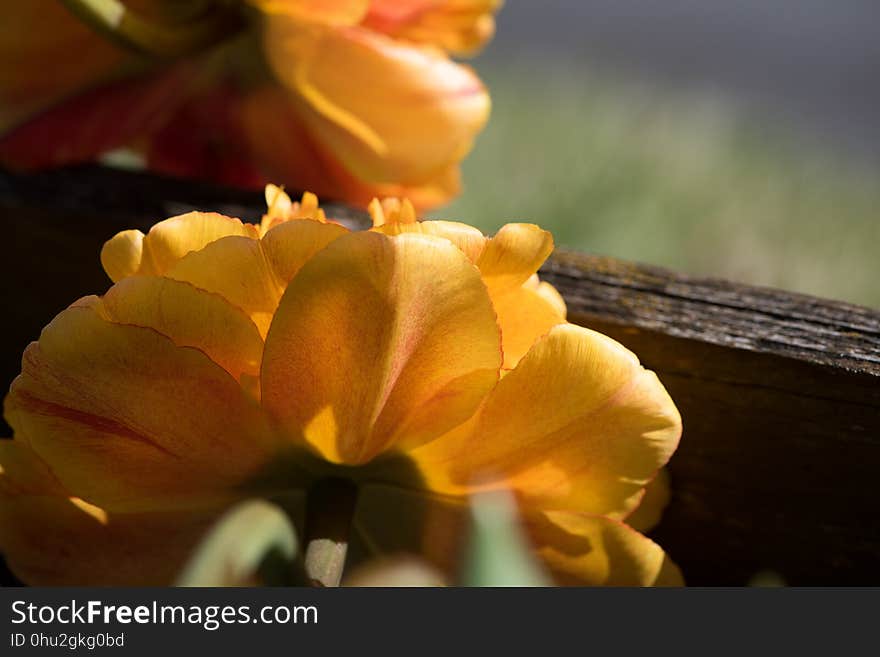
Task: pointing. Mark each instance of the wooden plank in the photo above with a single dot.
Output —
(780, 392)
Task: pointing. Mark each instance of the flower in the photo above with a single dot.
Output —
(232, 91)
(422, 361)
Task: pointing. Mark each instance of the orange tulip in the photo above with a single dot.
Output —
(422, 361)
(350, 98)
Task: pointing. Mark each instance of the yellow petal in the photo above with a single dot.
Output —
(278, 203)
(391, 210)
(467, 238)
(122, 254)
(288, 151)
(191, 318)
(127, 420)
(236, 268)
(380, 340)
(549, 293)
(252, 274)
(584, 550)
(459, 26)
(290, 245)
(524, 315)
(579, 424)
(280, 209)
(167, 242)
(514, 254)
(333, 12)
(391, 112)
(507, 260)
(50, 538)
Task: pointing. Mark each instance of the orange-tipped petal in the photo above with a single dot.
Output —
(190, 317)
(579, 424)
(379, 342)
(459, 26)
(127, 419)
(392, 113)
(50, 538)
(586, 550)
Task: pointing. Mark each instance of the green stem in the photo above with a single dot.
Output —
(254, 542)
(163, 40)
(329, 508)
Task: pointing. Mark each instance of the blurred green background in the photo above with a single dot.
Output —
(634, 164)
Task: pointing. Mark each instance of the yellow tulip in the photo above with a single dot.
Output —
(422, 361)
(240, 91)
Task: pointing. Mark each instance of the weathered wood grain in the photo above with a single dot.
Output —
(780, 392)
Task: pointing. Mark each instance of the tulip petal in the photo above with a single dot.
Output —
(288, 246)
(507, 260)
(122, 254)
(579, 424)
(393, 113)
(380, 341)
(459, 26)
(252, 274)
(332, 12)
(52, 539)
(524, 315)
(514, 254)
(167, 242)
(585, 550)
(467, 238)
(127, 420)
(191, 318)
(288, 152)
(236, 268)
(526, 307)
